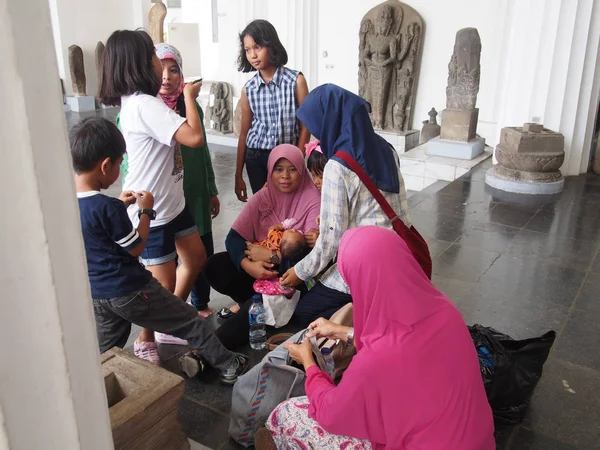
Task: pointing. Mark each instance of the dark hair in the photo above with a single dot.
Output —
(92, 140)
(127, 67)
(265, 35)
(316, 162)
(293, 250)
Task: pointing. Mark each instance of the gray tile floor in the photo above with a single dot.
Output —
(523, 265)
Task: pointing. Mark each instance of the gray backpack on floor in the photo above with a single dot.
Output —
(257, 393)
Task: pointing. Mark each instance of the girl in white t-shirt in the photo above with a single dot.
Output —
(131, 78)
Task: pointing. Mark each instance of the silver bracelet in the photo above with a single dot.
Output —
(350, 337)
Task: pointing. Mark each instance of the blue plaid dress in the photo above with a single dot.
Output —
(273, 108)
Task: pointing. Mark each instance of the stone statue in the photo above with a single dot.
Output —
(237, 119)
(430, 128)
(529, 159)
(459, 119)
(77, 70)
(219, 115)
(156, 21)
(390, 43)
(98, 55)
(464, 70)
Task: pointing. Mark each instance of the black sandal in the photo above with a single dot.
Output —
(225, 313)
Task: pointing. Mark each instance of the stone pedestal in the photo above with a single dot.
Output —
(456, 149)
(82, 104)
(402, 141)
(529, 159)
(459, 124)
(143, 401)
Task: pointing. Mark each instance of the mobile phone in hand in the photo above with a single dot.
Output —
(197, 81)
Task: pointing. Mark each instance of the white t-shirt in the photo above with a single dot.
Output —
(154, 158)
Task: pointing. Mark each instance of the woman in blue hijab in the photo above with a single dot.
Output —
(340, 120)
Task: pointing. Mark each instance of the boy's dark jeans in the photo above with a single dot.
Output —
(156, 308)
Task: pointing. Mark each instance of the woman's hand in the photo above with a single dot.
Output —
(259, 270)
(311, 237)
(290, 279)
(323, 328)
(301, 353)
(256, 252)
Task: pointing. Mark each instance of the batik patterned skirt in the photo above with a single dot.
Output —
(292, 429)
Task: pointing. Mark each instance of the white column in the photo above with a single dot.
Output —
(51, 391)
(551, 73)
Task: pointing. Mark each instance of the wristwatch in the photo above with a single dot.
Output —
(274, 258)
(151, 213)
(350, 337)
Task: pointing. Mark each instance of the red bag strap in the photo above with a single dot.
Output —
(359, 171)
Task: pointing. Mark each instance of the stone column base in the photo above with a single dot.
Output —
(82, 104)
(459, 124)
(456, 149)
(143, 401)
(521, 182)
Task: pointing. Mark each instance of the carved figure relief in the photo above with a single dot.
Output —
(219, 115)
(156, 21)
(464, 70)
(77, 69)
(390, 43)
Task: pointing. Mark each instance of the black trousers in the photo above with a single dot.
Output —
(224, 277)
(320, 301)
(201, 289)
(257, 167)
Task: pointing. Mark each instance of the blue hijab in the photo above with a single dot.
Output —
(340, 120)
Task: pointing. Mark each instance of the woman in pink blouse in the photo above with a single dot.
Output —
(415, 382)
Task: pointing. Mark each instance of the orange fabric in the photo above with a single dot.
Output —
(273, 240)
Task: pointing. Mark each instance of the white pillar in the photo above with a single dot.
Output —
(51, 392)
(551, 72)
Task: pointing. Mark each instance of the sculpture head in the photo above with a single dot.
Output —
(385, 20)
(219, 91)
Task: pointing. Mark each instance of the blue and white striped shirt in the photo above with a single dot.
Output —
(273, 106)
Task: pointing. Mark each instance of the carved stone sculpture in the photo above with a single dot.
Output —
(459, 119)
(390, 47)
(98, 55)
(430, 128)
(237, 119)
(77, 69)
(464, 70)
(528, 155)
(219, 114)
(156, 21)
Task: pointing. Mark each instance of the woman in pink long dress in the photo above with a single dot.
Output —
(415, 382)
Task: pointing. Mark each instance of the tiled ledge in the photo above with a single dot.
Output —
(420, 170)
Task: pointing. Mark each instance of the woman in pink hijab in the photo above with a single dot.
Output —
(415, 382)
(289, 194)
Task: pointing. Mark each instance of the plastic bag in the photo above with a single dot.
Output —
(510, 369)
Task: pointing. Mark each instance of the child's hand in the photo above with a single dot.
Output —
(278, 227)
(127, 197)
(215, 206)
(145, 200)
(192, 90)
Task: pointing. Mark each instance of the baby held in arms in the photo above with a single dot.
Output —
(292, 246)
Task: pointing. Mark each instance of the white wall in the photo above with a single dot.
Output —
(84, 23)
(51, 390)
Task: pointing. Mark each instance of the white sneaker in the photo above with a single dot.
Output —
(147, 351)
(162, 338)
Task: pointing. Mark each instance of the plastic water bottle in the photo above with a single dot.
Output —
(256, 316)
(329, 362)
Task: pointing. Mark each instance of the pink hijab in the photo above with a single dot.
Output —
(269, 206)
(415, 382)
